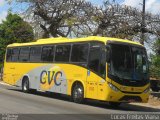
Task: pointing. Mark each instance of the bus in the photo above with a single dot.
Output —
(100, 68)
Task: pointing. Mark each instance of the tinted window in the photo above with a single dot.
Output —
(62, 53)
(94, 58)
(24, 54)
(15, 53)
(79, 53)
(97, 58)
(35, 54)
(9, 55)
(103, 61)
(47, 53)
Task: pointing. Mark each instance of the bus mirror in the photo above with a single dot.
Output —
(108, 53)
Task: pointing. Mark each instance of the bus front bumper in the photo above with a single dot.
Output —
(127, 97)
(113, 94)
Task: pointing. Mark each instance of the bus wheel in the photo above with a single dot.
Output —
(78, 93)
(114, 104)
(25, 85)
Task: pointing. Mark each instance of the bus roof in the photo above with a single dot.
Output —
(68, 40)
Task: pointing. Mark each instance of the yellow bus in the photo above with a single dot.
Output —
(101, 68)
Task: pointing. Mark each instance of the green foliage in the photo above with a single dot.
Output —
(14, 30)
(155, 61)
(157, 47)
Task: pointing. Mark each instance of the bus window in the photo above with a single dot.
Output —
(47, 53)
(79, 53)
(24, 54)
(94, 58)
(15, 53)
(35, 54)
(62, 53)
(103, 62)
(9, 55)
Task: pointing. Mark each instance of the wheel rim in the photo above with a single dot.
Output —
(25, 86)
(77, 94)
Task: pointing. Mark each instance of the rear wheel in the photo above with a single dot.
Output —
(77, 93)
(25, 85)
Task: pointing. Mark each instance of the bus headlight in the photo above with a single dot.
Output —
(146, 90)
(113, 87)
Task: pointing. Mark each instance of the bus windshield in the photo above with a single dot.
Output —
(128, 62)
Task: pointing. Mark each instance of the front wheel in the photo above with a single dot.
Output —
(25, 85)
(78, 93)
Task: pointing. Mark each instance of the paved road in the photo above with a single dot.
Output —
(13, 101)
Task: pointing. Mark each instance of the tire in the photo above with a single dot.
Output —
(114, 104)
(77, 93)
(25, 85)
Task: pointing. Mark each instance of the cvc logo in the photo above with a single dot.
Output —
(50, 76)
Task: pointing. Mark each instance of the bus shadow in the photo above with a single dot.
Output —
(123, 107)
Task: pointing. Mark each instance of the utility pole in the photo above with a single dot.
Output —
(143, 23)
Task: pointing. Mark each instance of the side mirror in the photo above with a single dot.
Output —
(108, 53)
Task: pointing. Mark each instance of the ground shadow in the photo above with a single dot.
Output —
(100, 104)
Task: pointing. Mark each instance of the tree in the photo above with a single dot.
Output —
(77, 18)
(58, 17)
(14, 30)
(155, 61)
(125, 22)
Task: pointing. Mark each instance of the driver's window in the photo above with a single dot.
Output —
(97, 57)
(139, 61)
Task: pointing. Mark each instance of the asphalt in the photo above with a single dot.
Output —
(38, 105)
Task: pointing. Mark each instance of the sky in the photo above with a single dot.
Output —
(3, 10)
(152, 6)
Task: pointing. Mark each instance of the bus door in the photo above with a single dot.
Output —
(6, 73)
(8, 68)
(93, 68)
(8, 76)
(13, 65)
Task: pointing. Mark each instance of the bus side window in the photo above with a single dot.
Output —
(94, 57)
(97, 59)
(62, 53)
(24, 54)
(9, 55)
(15, 54)
(35, 54)
(48, 53)
(103, 62)
(79, 53)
